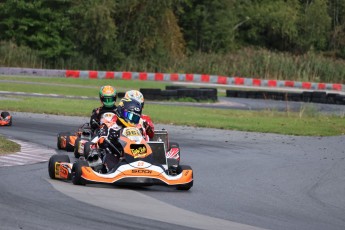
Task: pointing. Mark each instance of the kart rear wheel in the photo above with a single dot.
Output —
(187, 186)
(53, 159)
(59, 142)
(77, 173)
(76, 148)
(87, 149)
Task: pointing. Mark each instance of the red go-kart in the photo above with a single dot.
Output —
(5, 119)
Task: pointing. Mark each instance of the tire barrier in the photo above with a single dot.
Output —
(305, 96)
(178, 92)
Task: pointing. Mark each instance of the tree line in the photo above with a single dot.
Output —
(149, 34)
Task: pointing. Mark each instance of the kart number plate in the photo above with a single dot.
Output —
(132, 132)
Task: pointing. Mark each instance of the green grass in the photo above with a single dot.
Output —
(302, 123)
(7, 146)
(306, 122)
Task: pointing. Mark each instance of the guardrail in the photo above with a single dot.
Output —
(197, 78)
(314, 92)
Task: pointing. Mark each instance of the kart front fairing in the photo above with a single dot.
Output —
(136, 174)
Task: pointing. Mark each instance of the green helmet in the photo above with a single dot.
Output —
(107, 95)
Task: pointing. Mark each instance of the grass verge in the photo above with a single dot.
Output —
(269, 121)
(7, 146)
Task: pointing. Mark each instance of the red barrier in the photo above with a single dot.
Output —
(289, 84)
(205, 78)
(306, 85)
(109, 75)
(256, 82)
(127, 75)
(337, 87)
(321, 86)
(72, 73)
(222, 80)
(239, 81)
(143, 76)
(272, 83)
(159, 77)
(189, 77)
(93, 74)
(174, 77)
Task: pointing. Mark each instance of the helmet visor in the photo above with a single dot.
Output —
(131, 116)
(108, 101)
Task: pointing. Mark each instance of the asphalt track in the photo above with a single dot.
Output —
(242, 181)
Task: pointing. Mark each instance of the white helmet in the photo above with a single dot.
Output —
(136, 95)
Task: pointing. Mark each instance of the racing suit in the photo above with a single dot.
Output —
(148, 127)
(95, 118)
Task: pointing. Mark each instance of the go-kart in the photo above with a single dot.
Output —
(76, 142)
(72, 141)
(5, 119)
(139, 163)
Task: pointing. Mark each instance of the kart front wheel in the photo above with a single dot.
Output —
(77, 172)
(53, 159)
(187, 186)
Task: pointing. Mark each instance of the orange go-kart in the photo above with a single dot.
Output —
(141, 163)
(68, 141)
(5, 119)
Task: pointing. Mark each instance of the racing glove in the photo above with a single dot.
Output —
(103, 131)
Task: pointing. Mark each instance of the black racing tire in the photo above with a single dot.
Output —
(52, 160)
(59, 139)
(76, 148)
(77, 173)
(87, 148)
(184, 187)
(69, 147)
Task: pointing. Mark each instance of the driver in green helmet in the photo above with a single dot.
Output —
(107, 95)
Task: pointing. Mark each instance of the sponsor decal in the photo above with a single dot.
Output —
(139, 151)
(57, 170)
(142, 171)
(63, 172)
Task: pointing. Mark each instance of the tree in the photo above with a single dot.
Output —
(337, 39)
(40, 25)
(94, 30)
(208, 26)
(314, 25)
(149, 30)
(272, 23)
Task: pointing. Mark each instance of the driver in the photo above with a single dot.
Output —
(145, 121)
(107, 96)
(128, 115)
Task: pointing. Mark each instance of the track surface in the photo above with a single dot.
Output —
(242, 181)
